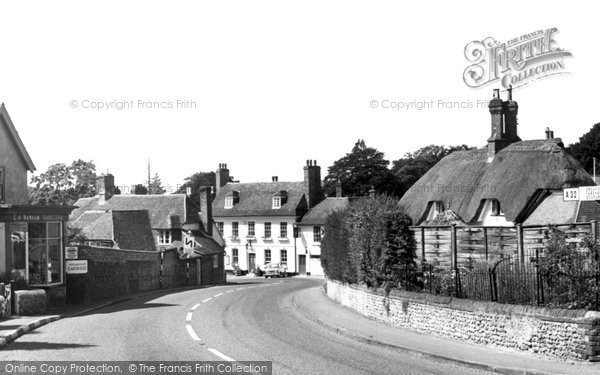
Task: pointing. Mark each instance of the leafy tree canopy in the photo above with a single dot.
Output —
(587, 148)
(156, 187)
(364, 167)
(414, 165)
(63, 184)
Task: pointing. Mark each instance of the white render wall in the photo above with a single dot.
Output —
(257, 244)
(311, 249)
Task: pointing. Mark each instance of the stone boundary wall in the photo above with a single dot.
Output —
(115, 272)
(567, 334)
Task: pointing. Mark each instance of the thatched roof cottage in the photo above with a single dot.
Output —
(506, 182)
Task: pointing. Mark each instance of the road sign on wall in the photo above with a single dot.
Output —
(77, 266)
(583, 193)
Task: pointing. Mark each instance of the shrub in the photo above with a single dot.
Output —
(335, 257)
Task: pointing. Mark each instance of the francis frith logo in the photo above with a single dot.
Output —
(517, 62)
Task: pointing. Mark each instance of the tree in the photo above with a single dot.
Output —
(587, 148)
(195, 182)
(140, 189)
(414, 165)
(359, 171)
(156, 186)
(64, 184)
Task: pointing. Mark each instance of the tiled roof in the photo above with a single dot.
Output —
(463, 179)
(319, 213)
(167, 211)
(130, 230)
(554, 210)
(7, 122)
(256, 199)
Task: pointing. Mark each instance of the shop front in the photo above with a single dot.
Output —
(32, 240)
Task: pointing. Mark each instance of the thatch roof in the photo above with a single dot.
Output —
(464, 178)
(319, 213)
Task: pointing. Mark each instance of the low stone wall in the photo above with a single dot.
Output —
(573, 334)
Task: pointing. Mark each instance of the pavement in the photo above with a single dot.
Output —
(318, 307)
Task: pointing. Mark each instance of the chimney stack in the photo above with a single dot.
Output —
(504, 123)
(338, 188)
(551, 134)
(105, 187)
(312, 183)
(221, 176)
(275, 178)
(206, 209)
(547, 133)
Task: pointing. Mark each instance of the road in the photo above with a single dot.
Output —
(250, 319)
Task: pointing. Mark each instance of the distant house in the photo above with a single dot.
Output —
(258, 221)
(505, 183)
(167, 213)
(116, 229)
(311, 230)
(154, 223)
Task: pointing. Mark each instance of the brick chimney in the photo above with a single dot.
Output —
(312, 183)
(105, 187)
(222, 177)
(206, 209)
(504, 123)
(338, 188)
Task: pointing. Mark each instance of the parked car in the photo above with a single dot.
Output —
(275, 269)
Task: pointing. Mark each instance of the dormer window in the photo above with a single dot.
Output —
(279, 199)
(276, 202)
(232, 198)
(496, 210)
(436, 208)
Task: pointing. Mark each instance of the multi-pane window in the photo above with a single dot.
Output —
(228, 202)
(317, 233)
(164, 237)
(235, 229)
(251, 229)
(215, 259)
(296, 232)
(220, 227)
(283, 256)
(496, 210)
(267, 256)
(234, 256)
(267, 230)
(276, 202)
(44, 253)
(283, 230)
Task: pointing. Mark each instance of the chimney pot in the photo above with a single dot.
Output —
(509, 92)
(496, 93)
(551, 134)
(315, 163)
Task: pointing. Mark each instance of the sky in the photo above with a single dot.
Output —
(265, 85)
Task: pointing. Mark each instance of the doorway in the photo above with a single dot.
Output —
(251, 262)
(302, 264)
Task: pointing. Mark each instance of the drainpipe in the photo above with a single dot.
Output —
(295, 249)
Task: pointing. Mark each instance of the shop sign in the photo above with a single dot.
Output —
(71, 252)
(77, 266)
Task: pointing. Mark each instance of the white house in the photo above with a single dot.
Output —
(311, 231)
(259, 221)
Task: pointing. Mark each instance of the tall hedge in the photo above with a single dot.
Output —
(370, 243)
(334, 249)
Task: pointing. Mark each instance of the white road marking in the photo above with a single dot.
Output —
(229, 291)
(241, 288)
(188, 318)
(191, 332)
(217, 295)
(206, 300)
(195, 306)
(221, 355)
